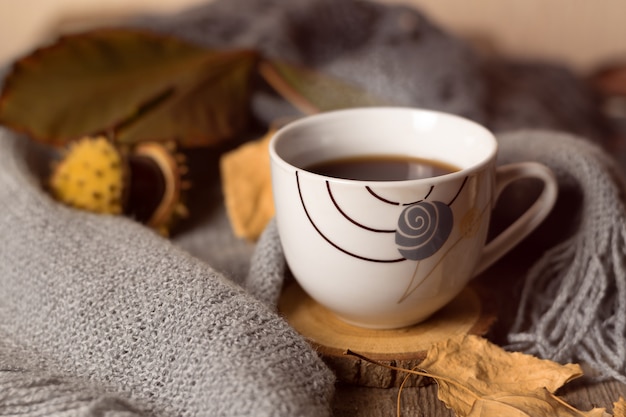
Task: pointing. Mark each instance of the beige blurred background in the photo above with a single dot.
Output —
(579, 33)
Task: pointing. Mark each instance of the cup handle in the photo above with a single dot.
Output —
(530, 219)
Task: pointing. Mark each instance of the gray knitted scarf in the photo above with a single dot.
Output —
(573, 302)
(99, 315)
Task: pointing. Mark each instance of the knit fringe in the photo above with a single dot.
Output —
(573, 303)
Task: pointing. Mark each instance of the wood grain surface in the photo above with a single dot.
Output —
(421, 401)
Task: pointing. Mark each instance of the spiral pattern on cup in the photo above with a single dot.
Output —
(423, 228)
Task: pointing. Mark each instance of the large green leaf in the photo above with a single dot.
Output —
(311, 91)
(131, 84)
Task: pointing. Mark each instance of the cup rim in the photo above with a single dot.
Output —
(316, 118)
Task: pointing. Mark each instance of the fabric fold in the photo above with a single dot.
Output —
(109, 302)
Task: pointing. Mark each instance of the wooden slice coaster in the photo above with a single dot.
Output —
(468, 313)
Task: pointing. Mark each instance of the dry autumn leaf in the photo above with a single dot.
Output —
(247, 187)
(137, 85)
(539, 403)
(619, 408)
(312, 92)
(476, 378)
(486, 369)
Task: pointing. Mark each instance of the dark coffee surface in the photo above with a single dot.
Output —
(381, 168)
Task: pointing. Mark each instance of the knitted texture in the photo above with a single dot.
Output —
(27, 389)
(121, 319)
(268, 267)
(573, 303)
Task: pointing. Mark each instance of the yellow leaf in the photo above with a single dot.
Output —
(479, 379)
(536, 404)
(619, 408)
(247, 186)
(470, 367)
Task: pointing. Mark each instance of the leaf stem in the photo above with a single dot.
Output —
(398, 401)
(274, 78)
(437, 378)
(568, 406)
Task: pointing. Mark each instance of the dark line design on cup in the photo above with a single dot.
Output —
(350, 219)
(384, 200)
(458, 192)
(432, 187)
(331, 242)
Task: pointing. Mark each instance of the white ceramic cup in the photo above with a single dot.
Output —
(388, 254)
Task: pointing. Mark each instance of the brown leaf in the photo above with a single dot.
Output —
(470, 367)
(312, 92)
(138, 85)
(539, 403)
(477, 378)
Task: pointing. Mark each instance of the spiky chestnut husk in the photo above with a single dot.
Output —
(145, 183)
(91, 176)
